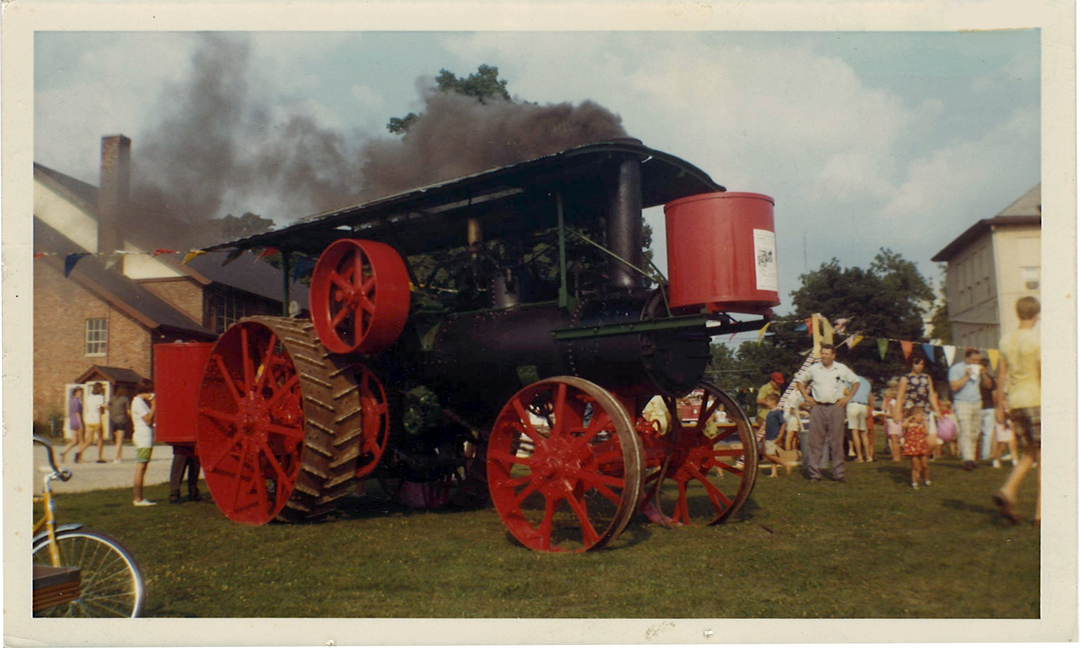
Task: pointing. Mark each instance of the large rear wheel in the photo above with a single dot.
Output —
(266, 422)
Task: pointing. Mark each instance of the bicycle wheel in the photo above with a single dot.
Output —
(111, 583)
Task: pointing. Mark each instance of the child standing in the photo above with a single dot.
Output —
(774, 426)
(915, 445)
(892, 426)
(947, 415)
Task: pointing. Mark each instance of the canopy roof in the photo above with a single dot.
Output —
(516, 199)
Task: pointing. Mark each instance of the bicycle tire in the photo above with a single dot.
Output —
(112, 585)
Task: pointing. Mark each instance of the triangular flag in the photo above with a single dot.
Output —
(808, 324)
(841, 324)
(928, 349)
(267, 252)
(994, 355)
(70, 261)
(112, 260)
(193, 254)
(950, 353)
(161, 251)
(882, 344)
(855, 339)
(232, 256)
(38, 255)
(826, 331)
(907, 346)
(761, 333)
(302, 266)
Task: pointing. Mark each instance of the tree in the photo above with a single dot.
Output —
(247, 225)
(483, 85)
(940, 325)
(886, 301)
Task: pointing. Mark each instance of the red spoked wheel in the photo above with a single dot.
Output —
(701, 463)
(359, 296)
(265, 427)
(564, 465)
(374, 421)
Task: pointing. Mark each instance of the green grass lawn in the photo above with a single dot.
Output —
(871, 548)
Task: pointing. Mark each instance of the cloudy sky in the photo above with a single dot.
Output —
(865, 139)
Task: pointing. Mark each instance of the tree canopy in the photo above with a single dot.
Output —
(483, 85)
(233, 227)
(887, 300)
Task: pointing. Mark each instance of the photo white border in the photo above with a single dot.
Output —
(22, 18)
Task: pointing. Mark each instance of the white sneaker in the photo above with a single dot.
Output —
(144, 502)
(996, 464)
(914, 486)
(926, 482)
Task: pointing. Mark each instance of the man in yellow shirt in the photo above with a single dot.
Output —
(1019, 376)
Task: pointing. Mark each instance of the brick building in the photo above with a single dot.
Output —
(104, 317)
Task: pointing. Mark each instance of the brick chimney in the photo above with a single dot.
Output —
(114, 193)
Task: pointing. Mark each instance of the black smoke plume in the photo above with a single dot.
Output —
(218, 145)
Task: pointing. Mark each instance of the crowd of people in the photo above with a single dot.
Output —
(134, 416)
(976, 416)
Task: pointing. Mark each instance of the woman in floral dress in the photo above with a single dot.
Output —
(917, 388)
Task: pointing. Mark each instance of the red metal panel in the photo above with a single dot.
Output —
(178, 370)
(722, 252)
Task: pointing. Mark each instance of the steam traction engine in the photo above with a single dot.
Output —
(497, 335)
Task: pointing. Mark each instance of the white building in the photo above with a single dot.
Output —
(991, 265)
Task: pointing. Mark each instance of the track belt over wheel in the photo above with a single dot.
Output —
(275, 433)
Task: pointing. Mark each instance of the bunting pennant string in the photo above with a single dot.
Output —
(301, 266)
(267, 252)
(994, 356)
(192, 255)
(928, 349)
(907, 346)
(761, 333)
(882, 344)
(232, 256)
(855, 339)
(70, 261)
(950, 353)
(160, 251)
(112, 260)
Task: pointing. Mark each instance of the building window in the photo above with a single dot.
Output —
(1030, 277)
(228, 310)
(97, 336)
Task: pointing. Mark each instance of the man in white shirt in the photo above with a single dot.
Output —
(830, 390)
(94, 409)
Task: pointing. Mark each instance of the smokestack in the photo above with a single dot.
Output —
(115, 191)
(624, 233)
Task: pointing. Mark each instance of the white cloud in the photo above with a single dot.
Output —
(105, 91)
(951, 185)
(367, 97)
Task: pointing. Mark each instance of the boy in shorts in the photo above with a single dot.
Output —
(775, 430)
(143, 409)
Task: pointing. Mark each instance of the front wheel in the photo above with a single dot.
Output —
(112, 585)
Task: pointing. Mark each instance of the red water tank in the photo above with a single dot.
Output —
(178, 370)
(721, 253)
